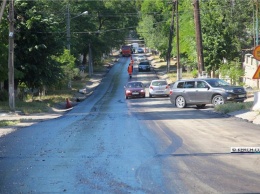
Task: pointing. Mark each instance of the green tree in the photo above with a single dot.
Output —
(232, 70)
(225, 30)
(4, 48)
(35, 44)
(154, 24)
(67, 62)
(105, 27)
(40, 36)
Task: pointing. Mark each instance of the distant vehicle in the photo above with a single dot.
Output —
(126, 51)
(202, 91)
(135, 46)
(140, 50)
(134, 89)
(159, 88)
(144, 66)
(140, 58)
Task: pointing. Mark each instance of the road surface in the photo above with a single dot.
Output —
(108, 144)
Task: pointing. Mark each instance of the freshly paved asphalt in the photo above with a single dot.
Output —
(252, 116)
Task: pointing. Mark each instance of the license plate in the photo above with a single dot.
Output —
(135, 93)
(241, 96)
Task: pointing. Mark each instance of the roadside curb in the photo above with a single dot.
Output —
(56, 112)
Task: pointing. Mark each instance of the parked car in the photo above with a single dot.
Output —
(202, 91)
(140, 50)
(144, 66)
(159, 88)
(134, 89)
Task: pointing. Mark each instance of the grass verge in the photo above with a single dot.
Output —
(5, 123)
(232, 107)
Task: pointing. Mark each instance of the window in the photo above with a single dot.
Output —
(159, 83)
(180, 85)
(190, 84)
(201, 84)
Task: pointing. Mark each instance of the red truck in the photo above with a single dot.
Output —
(126, 51)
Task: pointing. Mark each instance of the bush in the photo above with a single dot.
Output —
(3, 95)
(233, 106)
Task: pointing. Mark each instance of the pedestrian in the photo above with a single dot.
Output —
(130, 70)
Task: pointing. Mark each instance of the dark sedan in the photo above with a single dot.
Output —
(140, 50)
(134, 89)
(144, 66)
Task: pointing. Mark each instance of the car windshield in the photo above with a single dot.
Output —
(217, 83)
(134, 85)
(144, 63)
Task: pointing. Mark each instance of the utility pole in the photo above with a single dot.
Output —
(179, 68)
(90, 61)
(256, 21)
(11, 56)
(256, 32)
(2, 9)
(198, 36)
(170, 38)
(68, 27)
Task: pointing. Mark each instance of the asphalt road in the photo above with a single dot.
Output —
(108, 144)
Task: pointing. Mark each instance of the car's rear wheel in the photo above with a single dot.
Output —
(180, 102)
(218, 99)
(201, 105)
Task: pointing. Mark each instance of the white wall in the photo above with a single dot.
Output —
(250, 66)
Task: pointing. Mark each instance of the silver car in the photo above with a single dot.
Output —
(205, 91)
(159, 88)
(140, 58)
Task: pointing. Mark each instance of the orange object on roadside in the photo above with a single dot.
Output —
(68, 104)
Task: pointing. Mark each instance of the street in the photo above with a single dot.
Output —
(108, 144)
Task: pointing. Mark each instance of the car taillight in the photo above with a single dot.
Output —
(171, 92)
(151, 87)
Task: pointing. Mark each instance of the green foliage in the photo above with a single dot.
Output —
(4, 123)
(195, 73)
(225, 27)
(36, 46)
(154, 24)
(3, 95)
(233, 70)
(231, 107)
(225, 30)
(154, 27)
(40, 34)
(4, 48)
